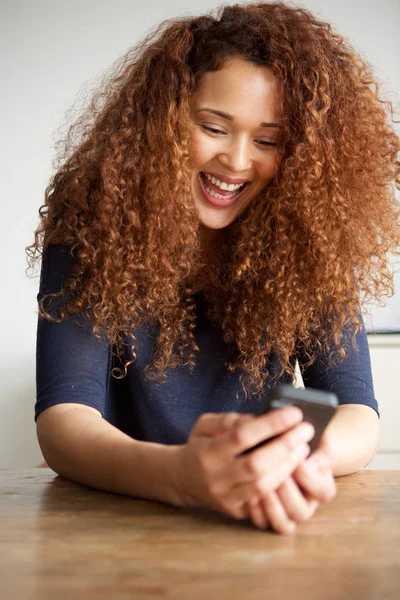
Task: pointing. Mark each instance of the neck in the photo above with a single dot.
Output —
(210, 238)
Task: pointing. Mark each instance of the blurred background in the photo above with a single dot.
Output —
(52, 54)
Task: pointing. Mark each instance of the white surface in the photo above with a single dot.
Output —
(387, 461)
(385, 366)
(52, 51)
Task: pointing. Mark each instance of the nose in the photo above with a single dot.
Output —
(237, 155)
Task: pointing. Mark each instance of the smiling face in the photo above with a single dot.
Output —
(239, 143)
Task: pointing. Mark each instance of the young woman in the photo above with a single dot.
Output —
(229, 199)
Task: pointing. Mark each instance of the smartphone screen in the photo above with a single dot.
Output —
(317, 406)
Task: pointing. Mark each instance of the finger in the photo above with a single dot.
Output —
(276, 514)
(214, 423)
(229, 421)
(282, 457)
(265, 469)
(297, 506)
(321, 487)
(321, 460)
(252, 431)
(257, 514)
(268, 480)
(233, 420)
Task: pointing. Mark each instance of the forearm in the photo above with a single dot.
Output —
(87, 449)
(352, 437)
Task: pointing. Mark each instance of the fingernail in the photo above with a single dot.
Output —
(304, 433)
(308, 430)
(293, 415)
(302, 450)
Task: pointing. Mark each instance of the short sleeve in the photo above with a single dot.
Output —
(350, 379)
(72, 365)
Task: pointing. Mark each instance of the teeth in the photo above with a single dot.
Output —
(216, 195)
(221, 184)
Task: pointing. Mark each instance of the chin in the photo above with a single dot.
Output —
(217, 223)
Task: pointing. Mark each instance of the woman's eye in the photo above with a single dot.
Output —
(261, 142)
(211, 129)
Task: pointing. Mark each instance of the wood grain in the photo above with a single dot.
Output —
(61, 540)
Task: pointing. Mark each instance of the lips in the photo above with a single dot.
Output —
(215, 188)
(226, 178)
(223, 202)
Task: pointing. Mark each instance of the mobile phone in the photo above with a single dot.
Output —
(317, 406)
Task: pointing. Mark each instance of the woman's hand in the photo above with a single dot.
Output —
(315, 475)
(299, 496)
(212, 474)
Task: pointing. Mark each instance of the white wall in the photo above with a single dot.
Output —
(50, 51)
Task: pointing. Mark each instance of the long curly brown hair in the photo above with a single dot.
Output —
(299, 259)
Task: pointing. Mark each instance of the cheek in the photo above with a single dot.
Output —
(270, 169)
(201, 150)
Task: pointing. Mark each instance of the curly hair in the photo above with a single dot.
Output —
(299, 258)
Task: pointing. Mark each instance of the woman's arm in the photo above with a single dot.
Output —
(351, 438)
(80, 445)
(207, 472)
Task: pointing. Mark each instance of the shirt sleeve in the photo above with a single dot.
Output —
(350, 379)
(72, 365)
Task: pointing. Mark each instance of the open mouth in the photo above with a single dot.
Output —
(217, 196)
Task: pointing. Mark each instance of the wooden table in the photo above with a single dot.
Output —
(61, 540)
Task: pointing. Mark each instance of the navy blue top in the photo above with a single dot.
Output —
(73, 366)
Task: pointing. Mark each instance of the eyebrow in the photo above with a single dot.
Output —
(230, 118)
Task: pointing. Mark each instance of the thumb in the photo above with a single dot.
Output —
(213, 424)
(230, 420)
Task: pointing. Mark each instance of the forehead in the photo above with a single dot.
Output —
(240, 88)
